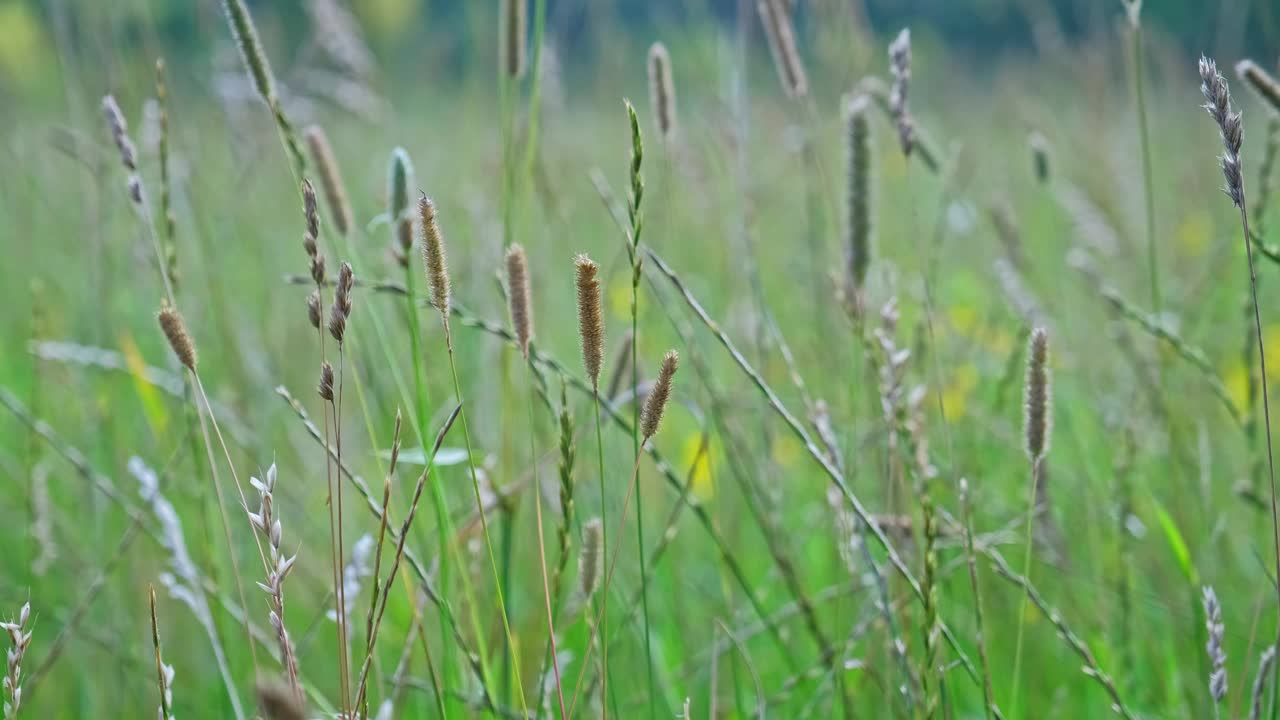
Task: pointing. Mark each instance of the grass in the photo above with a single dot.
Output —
(802, 544)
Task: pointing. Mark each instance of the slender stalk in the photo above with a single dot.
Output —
(1144, 135)
(542, 552)
(966, 510)
(1026, 572)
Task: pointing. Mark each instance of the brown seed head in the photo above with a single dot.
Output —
(335, 191)
(176, 331)
(590, 317)
(1037, 398)
(518, 289)
(325, 387)
(313, 308)
(309, 208)
(662, 90)
(433, 256)
(656, 404)
(341, 309)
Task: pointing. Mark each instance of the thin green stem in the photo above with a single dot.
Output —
(1026, 573)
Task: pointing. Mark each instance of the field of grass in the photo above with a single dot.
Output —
(836, 517)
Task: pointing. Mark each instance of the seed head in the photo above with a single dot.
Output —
(515, 28)
(590, 317)
(309, 208)
(1267, 659)
(900, 66)
(341, 309)
(591, 561)
(1217, 656)
(313, 308)
(279, 702)
(1261, 81)
(433, 255)
(1037, 400)
(782, 46)
(335, 191)
(1218, 103)
(662, 90)
(255, 60)
(325, 387)
(120, 133)
(1039, 156)
(859, 188)
(518, 290)
(176, 331)
(656, 404)
(399, 177)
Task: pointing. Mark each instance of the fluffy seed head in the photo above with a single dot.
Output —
(399, 177)
(1217, 656)
(900, 66)
(325, 386)
(782, 46)
(1217, 97)
(858, 206)
(341, 309)
(120, 133)
(656, 404)
(309, 208)
(313, 308)
(518, 290)
(433, 256)
(176, 331)
(590, 317)
(590, 563)
(515, 29)
(1036, 424)
(255, 60)
(335, 191)
(1261, 81)
(662, 90)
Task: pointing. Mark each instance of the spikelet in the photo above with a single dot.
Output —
(518, 297)
(335, 191)
(590, 563)
(434, 260)
(120, 133)
(662, 91)
(309, 208)
(858, 206)
(325, 386)
(19, 641)
(782, 46)
(656, 404)
(1218, 103)
(1039, 156)
(900, 66)
(515, 30)
(399, 178)
(1217, 656)
(341, 309)
(246, 37)
(1265, 662)
(590, 318)
(1267, 87)
(278, 702)
(313, 309)
(176, 331)
(1037, 399)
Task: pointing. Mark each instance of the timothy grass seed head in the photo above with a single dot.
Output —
(335, 190)
(858, 203)
(399, 177)
(782, 46)
(518, 290)
(1037, 400)
(515, 30)
(433, 256)
(1267, 87)
(656, 403)
(662, 90)
(590, 317)
(591, 561)
(175, 330)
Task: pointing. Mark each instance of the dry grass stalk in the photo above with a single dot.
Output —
(515, 31)
(590, 317)
(662, 91)
(518, 297)
(900, 66)
(782, 46)
(434, 260)
(335, 190)
(656, 403)
(1267, 87)
(279, 564)
(175, 330)
(1217, 656)
(19, 641)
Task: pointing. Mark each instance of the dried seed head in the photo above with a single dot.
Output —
(515, 28)
(325, 387)
(656, 404)
(399, 178)
(590, 317)
(1037, 400)
(341, 309)
(313, 308)
(859, 188)
(1261, 81)
(1217, 656)
(176, 331)
(1218, 103)
(900, 66)
(662, 90)
(1039, 156)
(317, 269)
(433, 255)
(590, 563)
(518, 290)
(246, 37)
(278, 702)
(782, 46)
(120, 133)
(335, 191)
(309, 208)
